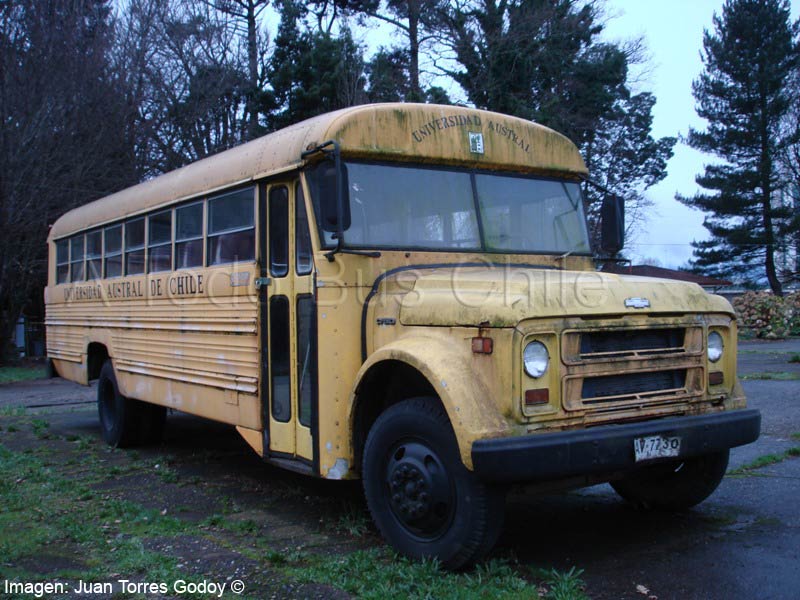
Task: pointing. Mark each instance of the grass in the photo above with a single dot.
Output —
(13, 374)
(376, 574)
(352, 521)
(563, 586)
(56, 509)
(765, 461)
(771, 376)
(794, 358)
(43, 510)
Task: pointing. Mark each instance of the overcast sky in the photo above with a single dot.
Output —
(673, 32)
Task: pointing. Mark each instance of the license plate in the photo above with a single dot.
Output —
(656, 446)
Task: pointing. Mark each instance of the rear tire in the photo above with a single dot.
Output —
(676, 485)
(125, 422)
(425, 502)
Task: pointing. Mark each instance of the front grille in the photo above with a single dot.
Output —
(630, 343)
(644, 361)
(632, 386)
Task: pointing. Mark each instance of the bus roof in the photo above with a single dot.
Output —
(422, 133)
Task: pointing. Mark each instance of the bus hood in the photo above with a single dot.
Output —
(502, 297)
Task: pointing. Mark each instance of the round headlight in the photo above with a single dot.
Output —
(715, 346)
(535, 359)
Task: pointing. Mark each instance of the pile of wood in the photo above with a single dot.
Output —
(767, 316)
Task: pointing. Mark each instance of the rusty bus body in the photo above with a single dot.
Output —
(404, 293)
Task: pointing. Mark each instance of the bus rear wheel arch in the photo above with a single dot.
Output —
(423, 499)
(125, 422)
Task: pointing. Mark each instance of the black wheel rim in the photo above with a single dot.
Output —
(419, 489)
(108, 407)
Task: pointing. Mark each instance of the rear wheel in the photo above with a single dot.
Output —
(125, 422)
(676, 485)
(425, 502)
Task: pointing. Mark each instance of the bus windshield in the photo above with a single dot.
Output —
(402, 207)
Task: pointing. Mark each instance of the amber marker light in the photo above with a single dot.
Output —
(482, 345)
(716, 378)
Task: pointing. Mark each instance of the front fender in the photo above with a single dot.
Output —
(466, 399)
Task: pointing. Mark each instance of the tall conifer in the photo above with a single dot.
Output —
(743, 94)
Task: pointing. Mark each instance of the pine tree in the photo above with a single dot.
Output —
(744, 96)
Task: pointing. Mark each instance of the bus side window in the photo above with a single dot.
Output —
(279, 231)
(112, 256)
(62, 261)
(94, 255)
(77, 270)
(189, 236)
(231, 228)
(134, 247)
(302, 234)
(159, 249)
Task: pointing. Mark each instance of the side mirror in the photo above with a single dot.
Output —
(612, 227)
(331, 189)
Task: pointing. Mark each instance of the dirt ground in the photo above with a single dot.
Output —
(211, 510)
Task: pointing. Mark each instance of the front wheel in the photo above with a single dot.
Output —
(425, 502)
(676, 485)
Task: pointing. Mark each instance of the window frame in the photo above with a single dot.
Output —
(143, 247)
(171, 242)
(230, 230)
(473, 173)
(120, 252)
(65, 242)
(72, 262)
(202, 237)
(90, 257)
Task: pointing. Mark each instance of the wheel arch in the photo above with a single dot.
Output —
(424, 367)
(96, 356)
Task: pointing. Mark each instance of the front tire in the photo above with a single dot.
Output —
(676, 485)
(425, 502)
(125, 422)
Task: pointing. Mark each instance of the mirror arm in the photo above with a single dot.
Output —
(599, 186)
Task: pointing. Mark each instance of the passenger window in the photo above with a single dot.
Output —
(302, 235)
(279, 358)
(134, 247)
(113, 251)
(94, 255)
(306, 358)
(231, 230)
(62, 261)
(76, 259)
(159, 248)
(279, 231)
(189, 236)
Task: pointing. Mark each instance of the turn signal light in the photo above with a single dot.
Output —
(716, 378)
(482, 345)
(537, 397)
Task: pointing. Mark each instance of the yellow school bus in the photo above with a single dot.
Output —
(405, 294)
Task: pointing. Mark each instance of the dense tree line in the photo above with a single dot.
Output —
(96, 95)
